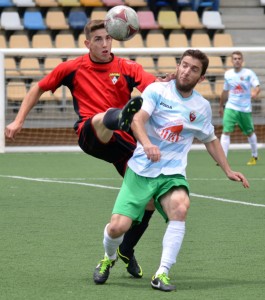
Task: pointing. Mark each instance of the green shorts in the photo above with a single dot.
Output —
(136, 191)
(242, 119)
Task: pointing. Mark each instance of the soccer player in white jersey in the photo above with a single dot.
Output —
(240, 86)
(172, 115)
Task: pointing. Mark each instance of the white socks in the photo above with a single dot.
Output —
(253, 144)
(172, 242)
(111, 245)
(225, 142)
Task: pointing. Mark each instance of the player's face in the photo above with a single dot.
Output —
(99, 45)
(188, 74)
(237, 61)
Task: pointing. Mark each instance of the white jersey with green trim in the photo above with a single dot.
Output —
(173, 124)
(239, 85)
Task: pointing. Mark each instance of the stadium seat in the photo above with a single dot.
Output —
(50, 63)
(155, 40)
(46, 3)
(11, 69)
(147, 20)
(33, 20)
(136, 42)
(167, 19)
(176, 40)
(10, 20)
(19, 41)
(218, 88)
(64, 40)
(80, 40)
(98, 14)
(16, 90)
(147, 63)
(30, 66)
(116, 44)
(190, 20)
(6, 3)
(69, 3)
(212, 20)
(93, 3)
(136, 3)
(205, 89)
(166, 64)
(42, 40)
(216, 67)
(112, 3)
(55, 20)
(3, 43)
(77, 19)
(223, 40)
(200, 40)
(24, 3)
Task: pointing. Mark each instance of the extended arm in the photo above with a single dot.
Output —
(223, 99)
(29, 101)
(255, 92)
(216, 151)
(139, 131)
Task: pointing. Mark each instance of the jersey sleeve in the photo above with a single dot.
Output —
(55, 78)
(206, 133)
(141, 78)
(149, 99)
(254, 80)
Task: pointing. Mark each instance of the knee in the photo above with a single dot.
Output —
(118, 226)
(115, 230)
(181, 211)
(179, 208)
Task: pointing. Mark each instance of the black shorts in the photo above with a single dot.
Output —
(117, 151)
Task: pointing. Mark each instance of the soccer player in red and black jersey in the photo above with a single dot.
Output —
(101, 85)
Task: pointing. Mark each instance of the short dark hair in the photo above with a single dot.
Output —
(201, 56)
(92, 26)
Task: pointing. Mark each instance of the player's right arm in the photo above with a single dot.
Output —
(138, 127)
(29, 101)
(223, 99)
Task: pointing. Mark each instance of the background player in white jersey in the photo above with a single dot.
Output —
(240, 86)
(172, 115)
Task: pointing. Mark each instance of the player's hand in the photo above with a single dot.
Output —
(237, 176)
(12, 130)
(167, 77)
(152, 152)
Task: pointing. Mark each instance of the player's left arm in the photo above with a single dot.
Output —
(216, 151)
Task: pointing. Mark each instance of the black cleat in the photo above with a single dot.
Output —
(132, 265)
(127, 113)
(101, 273)
(161, 282)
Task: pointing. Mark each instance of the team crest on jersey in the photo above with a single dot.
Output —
(192, 116)
(114, 77)
(171, 131)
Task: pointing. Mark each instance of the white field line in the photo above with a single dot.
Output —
(117, 188)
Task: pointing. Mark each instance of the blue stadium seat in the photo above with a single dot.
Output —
(77, 19)
(6, 3)
(33, 20)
